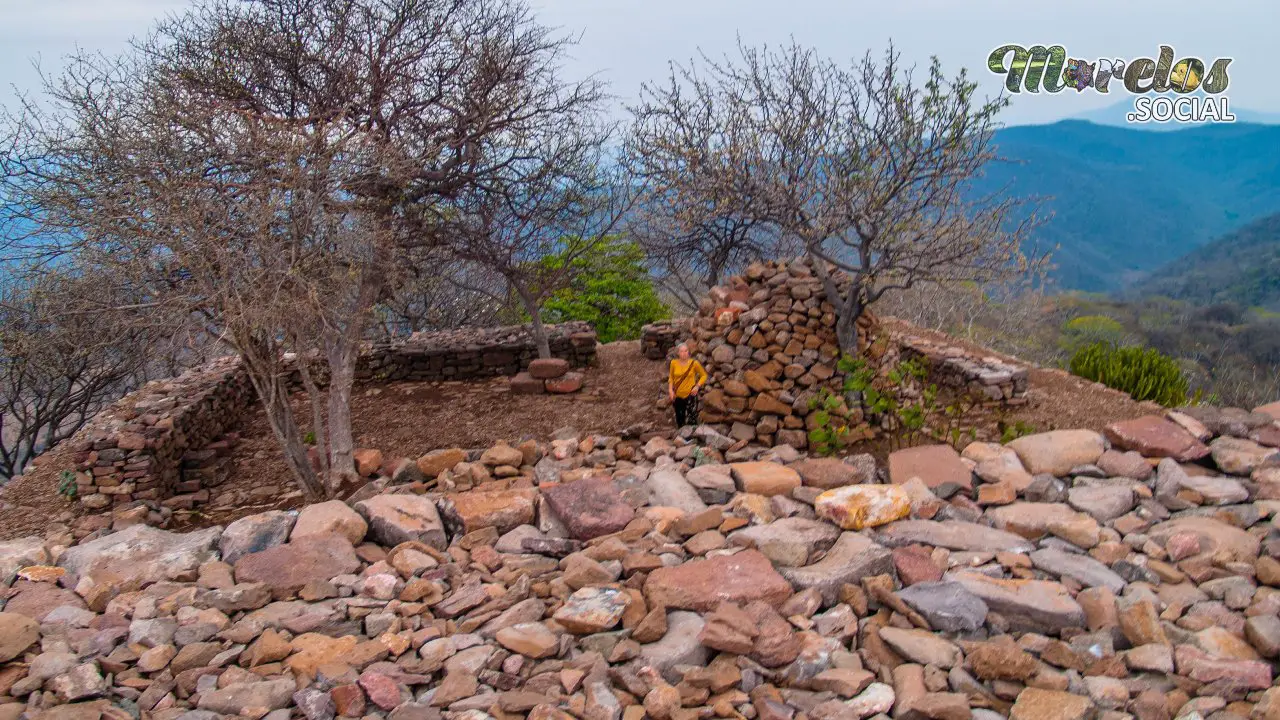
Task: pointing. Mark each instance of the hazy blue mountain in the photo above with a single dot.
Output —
(1126, 202)
(1242, 267)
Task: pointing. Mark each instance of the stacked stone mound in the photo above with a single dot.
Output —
(471, 353)
(547, 375)
(768, 341)
(1068, 575)
(658, 339)
(140, 447)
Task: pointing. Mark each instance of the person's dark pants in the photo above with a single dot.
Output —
(685, 411)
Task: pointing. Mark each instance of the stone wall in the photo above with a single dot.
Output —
(768, 340)
(657, 339)
(473, 353)
(163, 440)
(172, 440)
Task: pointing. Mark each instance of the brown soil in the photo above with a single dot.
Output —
(409, 419)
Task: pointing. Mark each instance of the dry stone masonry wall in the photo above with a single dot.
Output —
(470, 353)
(171, 441)
(768, 340)
(169, 437)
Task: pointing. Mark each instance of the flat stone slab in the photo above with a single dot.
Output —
(1081, 568)
(828, 473)
(399, 518)
(936, 465)
(703, 584)
(1214, 536)
(947, 606)
(287, 568)
(1155, 436)
(765, 478)
(1033, 605)
(953, 535)
(668, 488)
(1058, 451)
(20, 553)
(589, 508)
(789, 541)
(143, 554)
(853, 557)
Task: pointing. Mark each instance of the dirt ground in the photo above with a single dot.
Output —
(410, 419)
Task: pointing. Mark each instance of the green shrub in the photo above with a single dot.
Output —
(611, 289)
(1143, 372)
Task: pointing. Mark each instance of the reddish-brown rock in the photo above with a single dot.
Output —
(589, 508)
(936, 465)
(501, 509)
(1154, 436)
(548, 368)
(287, 568)
(701, 585)
(568, 383)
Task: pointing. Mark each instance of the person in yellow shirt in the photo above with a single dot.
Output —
(684, 381)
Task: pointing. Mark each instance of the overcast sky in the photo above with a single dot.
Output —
(631, 41)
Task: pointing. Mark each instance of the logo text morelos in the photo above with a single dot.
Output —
(1050, 67)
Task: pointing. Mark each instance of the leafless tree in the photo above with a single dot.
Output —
(285, 159)
(62, 359)
(864, 167)
(558, 198)
(441, 293)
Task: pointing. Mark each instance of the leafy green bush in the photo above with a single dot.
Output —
(1143, 372)
(611, 289)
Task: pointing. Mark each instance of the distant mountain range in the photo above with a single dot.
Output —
(1128, 201)
(1242, 267)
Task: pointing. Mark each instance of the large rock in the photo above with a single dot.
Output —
(789, 541)
(141, 554)
(1081, 568)
(255, 533)
(938, 466)
(953, 535)
(1034, 519)
(37, 600)
(399, 518)
(713, 483)
(668, 488)
(679, 646)
(1032, 605)
(828, 473)
(1101, 502)
(592, 610)
(287, 568)
(855, 507)
(765, 478)
(921, 646)
(995, 463)
(703, 584)
(852, 558)
(1057, 451)
(589, 508)
(947, 606)
(478, 509)
(1037, 704)
(548, 368)
(236, 699)
(17, 633)
(333, 516)
(1241, 457)
(1154, 436)
(20, 553)
(1215, 536)
(437, 461)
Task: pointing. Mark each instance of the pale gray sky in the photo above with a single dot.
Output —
(630, 41)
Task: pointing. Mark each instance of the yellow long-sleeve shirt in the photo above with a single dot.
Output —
(683, 378)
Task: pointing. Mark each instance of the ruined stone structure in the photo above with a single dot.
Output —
(171, 440)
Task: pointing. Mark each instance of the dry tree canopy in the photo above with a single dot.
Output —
(864, 167)
(287, 161)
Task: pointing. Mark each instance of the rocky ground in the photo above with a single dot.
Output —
(1068, 575)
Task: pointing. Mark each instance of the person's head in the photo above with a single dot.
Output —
(682, 351)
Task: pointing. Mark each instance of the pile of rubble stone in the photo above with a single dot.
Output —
(547, 375)
(1068, 575)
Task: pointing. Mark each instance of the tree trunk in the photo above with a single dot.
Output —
(342, 359)
(535, 321)
(274, 393)
(847, 309)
